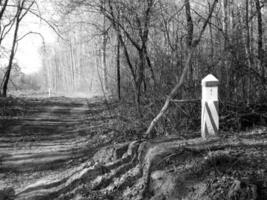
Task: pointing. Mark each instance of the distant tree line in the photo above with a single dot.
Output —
(145, 45)
(142, 47)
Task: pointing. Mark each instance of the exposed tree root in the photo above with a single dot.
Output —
(149, 170)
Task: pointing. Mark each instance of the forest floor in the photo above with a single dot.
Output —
(71, 148)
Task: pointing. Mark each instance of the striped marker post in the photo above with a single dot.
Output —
(210, 107)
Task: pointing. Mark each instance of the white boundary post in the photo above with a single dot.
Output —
(210, 107)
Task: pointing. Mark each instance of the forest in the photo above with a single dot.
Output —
(115, 111)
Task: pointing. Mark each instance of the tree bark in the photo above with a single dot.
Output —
(118, 65)
(72, 66)
(224, 71)
(247, 48)
(2, 11)
(211, 37)
(104, 55)
(150, 67)
(189, 40)
(260, 42)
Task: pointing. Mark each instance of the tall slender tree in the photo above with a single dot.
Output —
(260, 41)
(22, 8)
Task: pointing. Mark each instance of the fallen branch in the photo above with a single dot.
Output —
(186, 100)
(191, 48)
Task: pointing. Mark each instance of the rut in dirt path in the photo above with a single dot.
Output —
(54, 134)
(68, 151)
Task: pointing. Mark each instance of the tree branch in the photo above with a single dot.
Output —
(174, 91)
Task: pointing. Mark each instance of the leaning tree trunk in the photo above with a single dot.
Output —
(191, 45)
(172, 94)
(12, 54)
(21, 11)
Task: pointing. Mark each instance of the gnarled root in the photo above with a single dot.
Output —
(145, 170)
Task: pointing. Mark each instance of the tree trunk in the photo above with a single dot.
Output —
(104, 55)
(211, 38)
(140, 75)
(150, 67)
(118, 68)
(260, 43)
(72, 66)
(172, 94)
(247, 48)
(225, 69)
(12, 54)
(189, 39)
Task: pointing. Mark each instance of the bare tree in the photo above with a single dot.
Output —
(260, 41)
(138, 23)
(191, 45)
(22, 8)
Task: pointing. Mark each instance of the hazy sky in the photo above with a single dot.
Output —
(28, 55)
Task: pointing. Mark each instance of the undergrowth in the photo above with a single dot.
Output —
(12, 107)
(184, 119)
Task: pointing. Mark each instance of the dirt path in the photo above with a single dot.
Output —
(53, 137)
(66, 149)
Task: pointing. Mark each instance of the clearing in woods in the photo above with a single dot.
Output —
(62, 148)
